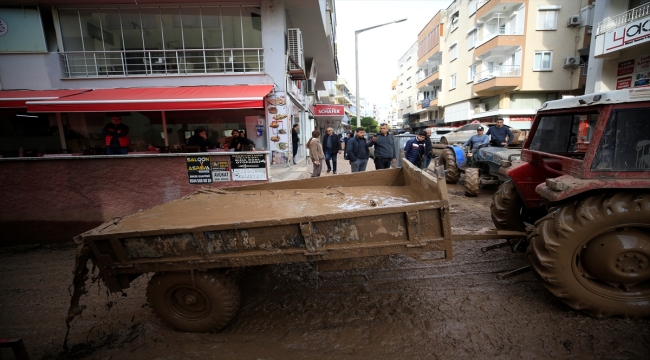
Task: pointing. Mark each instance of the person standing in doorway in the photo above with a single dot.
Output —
(295, 140)
(116, 137)
(316, 153)
(357, 150)
(332, 148)
(384, 144)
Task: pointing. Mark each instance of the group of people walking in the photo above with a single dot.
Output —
(418, 150)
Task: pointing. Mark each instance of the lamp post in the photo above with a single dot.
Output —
(356, 59)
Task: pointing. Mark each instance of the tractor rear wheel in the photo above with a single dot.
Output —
(506, 208)
(447, 160)
(471, 182)
(202, 302)
(594, 254)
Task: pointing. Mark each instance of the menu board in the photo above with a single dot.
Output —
(279, 128)
(198, 169)
(247, 167)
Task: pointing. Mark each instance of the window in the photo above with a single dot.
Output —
(23, 29)
(408, 82)
(410, 102)
(625, 145)
(452, 84)
(543, 61)
(547, 19)
(471, 39)
(564, 134)
(471, 72)
(453, 21)
(453, 52)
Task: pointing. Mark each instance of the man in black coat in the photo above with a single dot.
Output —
(200, 139)
(295, 140)
(331, 147)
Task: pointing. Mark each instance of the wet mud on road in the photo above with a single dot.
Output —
(411, 309)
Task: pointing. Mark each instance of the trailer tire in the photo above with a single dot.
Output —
(593, 254)
(506, 208)
(447, 160)
(209, 300)
(471, 182)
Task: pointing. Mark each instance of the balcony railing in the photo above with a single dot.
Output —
(84, 64)
(428, 72)
(501, 31)
(498, 71)
(624, 18)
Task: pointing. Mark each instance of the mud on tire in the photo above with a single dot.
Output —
(447, 159)
(471, 182)
(506, 208)
(585, 253)
(206, 303)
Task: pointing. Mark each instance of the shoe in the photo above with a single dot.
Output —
(328, 170)
(334, 173)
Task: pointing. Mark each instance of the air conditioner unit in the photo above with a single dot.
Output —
(295, 50)
(574, 20)
(479, 108)
(572, 62)
(311, 85)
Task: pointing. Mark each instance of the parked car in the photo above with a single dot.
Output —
(437, 133)
(463, 134)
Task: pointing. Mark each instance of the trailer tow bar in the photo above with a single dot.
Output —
(513, 246)
(509, 274)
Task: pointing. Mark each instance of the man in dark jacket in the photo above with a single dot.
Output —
(200, 139)
(295, 140)
(357, 150)
(416, 149)
(498, 134)
(384, 144)
(116, 137)
(331, 147)
(238, 142)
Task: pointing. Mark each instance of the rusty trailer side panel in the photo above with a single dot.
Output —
(351, 216)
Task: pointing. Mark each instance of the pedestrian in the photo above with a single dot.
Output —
(332, 147)
(295, 140)
(384, 144)
(116, 137)
(429, 155)
(347, 137)
(477, 141)
(316, 153)
(416, 148)
(498, 134)
(357, 150)
(200, 139)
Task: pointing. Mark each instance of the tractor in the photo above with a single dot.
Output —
(582, 191)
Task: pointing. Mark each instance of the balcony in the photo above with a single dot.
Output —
(623, 31)
(426, 77)
(497, 78)
(504, 40)
(426, 103)
(98, 64)
(486, 8)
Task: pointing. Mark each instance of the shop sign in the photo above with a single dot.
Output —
(627, 35)
(521, 118)
(220, 170)
(642, 79)
(198, 169)
(643, 63)
(625, 67)
(247, 167)
(279, 127)
(329, 110)
(624, 83)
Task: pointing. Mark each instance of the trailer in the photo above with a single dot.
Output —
(342, 222)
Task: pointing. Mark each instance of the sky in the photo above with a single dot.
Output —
(379, 49)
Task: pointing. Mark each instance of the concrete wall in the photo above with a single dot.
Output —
(51, 200)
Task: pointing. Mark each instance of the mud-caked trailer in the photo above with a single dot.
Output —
(582, 187)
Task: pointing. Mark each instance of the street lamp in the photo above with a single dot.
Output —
(356, 58)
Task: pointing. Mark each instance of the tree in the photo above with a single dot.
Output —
(370, 124)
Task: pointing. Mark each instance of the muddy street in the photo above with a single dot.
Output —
(408, 309)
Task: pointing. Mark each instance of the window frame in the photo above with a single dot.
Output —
(541, 53)
(452, 84)
(453, 51)
(471, 72)
(546, 12)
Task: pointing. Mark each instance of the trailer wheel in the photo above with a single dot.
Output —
(206, 303)
(447, 159)
(471, 182)
(594, 254)
(506, 208)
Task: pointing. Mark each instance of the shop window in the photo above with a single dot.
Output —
(543, 61)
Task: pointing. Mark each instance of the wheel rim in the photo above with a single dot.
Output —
(616, 264)
(187, 302)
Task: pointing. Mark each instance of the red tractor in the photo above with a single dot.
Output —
(584, 181)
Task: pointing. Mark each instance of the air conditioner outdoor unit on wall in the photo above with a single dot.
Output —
(295, 50)
(572, 62)
(311, 85)
(574, 20)
(479, 108)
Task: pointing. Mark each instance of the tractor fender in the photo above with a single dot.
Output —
(461, 159)
(566, 186)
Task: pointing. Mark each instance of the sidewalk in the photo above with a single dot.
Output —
(342, 167)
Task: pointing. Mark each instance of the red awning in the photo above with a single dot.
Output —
(158, 99)
(18, 98)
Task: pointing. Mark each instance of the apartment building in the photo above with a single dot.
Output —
(338, 92)
(620, 51)
(393, 121)
(483, 60)
(407, 91)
